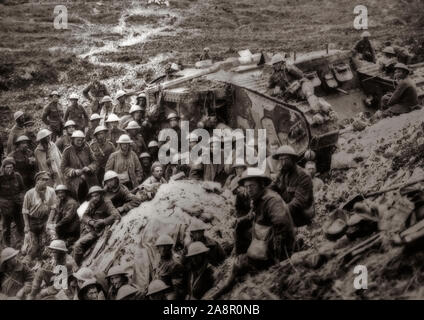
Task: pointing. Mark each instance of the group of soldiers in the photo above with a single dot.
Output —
(393, 64)
(103, 160)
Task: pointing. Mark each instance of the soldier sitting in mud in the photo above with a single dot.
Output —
(405, 96)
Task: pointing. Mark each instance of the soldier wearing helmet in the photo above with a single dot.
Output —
(169, 270)
(294, 185)
(205, 55)
(95, 92)
(48, 157)
(112, 123)
(122, 108)
(365, 48)
(118, 194)
(99, 214)
(65, 219)
(79, 166)
(65, 141)
(200, 276)
(102, 149)
(146, 164)
(25, 161)
(157, 290)
(405, 96)
(133, 130)
(106, 108)
(94, 123)
(125, 163)
(53, 116)
(60, 256)
(388, 61)
(12, 191)
(118, 280)
(77, 113)
(17, 130)
(153, 149)
(15, 277)
(216, 254)
(142, 102)
(283, 74)
(37, 209)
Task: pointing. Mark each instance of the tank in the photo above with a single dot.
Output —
(235, 93)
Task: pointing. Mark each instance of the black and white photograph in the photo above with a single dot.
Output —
(233, 151)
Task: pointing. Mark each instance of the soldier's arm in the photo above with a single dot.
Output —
(397, 94)
(295, 71)
(66, 116)
(110, 164)
(59, 144)
(138, 169)
(93, 163)
(45, 115)
(25, 211)
(112, 212)
(131, 201)
(86, 91)
(301, 194)
(28, 279)
(70, 212)
(40, 276)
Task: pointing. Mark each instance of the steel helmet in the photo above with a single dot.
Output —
(206, 49)
(277, 58)
(153, 144)
(156, 286)
(254, 173)
(124, 139)
(197, 225)
(7, 254)
(116, 270)
(135, 108)
(112, 118)
(43, 133)
(22, 138)
(389, 50)
(95, 116)
(17, 115)
(106, 99)
(78, 134)
(164, 240)
(125, 291)
(310, 155)
(58, 245)
(73, 96)
(69, 123)
(196, 248)
(54, 93)
(109, 175)
(7, 161)
(120, 93)
(61, 187)
(141, 95)
(132, 125)
(197, 167)
(84, 274)
(145, 155)
(365, 34)
(99, 129)
(193, 137)
(402, 66)
(286, 149)
(172, 115)
(95, 189)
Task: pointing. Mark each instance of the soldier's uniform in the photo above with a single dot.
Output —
(78, 115)
(122, 199)
(127, 167)
(25, 165)
(101, 154)
(53, 117)
(67, 221)
(98, 90)
(63, 142)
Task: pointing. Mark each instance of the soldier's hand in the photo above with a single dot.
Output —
(99, 224)
(86, 170)
(77, 172)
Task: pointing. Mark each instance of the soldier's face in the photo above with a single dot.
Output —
(121, 99)
(287, 162)
(74, 102)
(136, 115)
(61, 195)
(96, 197)
(78, 142)
(132, 132)
(70, 130)
(114, 124)
(95, 123)
(23, 145)
(197, 260)
(158, 172)
(400, 74)
(112, 183)
(146, 162)
(125, 147)
(42, 182)
(253, 188)
(101, 136)
(92, 294)
(116, 281)
(239, 171)
(164, 250)
(55, 98)
(311, 170)
(8, 170)
(173, 123)
(11, 263)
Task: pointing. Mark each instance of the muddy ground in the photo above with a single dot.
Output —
(126, 42)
